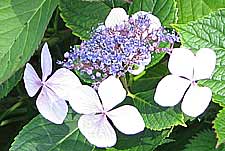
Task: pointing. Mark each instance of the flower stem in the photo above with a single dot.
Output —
(11, 109)
(125, 85)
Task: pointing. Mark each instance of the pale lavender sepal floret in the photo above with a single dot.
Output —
(115, 50)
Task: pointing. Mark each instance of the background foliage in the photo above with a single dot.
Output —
(26, 24)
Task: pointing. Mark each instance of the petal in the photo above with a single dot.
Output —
(117, 16)
(64, 83)
(170, 90)
(127, 119)
(147, 61)
(205, 62)
(31, 80)
(86, 101)
(196, 100)
(181, 62)
(51, 106)
(155, 22)
(111, 92)
(97, 130)
(46, 62)
(100, 28)
(141, 67)
(137, 71)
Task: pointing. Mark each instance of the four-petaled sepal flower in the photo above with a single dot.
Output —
(98, 107)
(187, 69)
(55, 90)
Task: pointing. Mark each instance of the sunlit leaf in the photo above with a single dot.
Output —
(22, 27)
(155, 116)
(41, 135)
(219, 125)
(9, 84)
(149, 79)
(164, 9)
(83, 16)
(190, 10)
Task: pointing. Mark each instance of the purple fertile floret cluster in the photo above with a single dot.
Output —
(116, 50)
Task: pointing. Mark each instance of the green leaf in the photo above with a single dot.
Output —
(204, 141)
(219, 126)
(84, 77)
(190, 10)
(156, 57)
(149, 79)
(9, 84)
(164, 9)
(153, 72)
(147, 140)
(182, 135)
(217, 82)
(208, 32)
(41, 135)
(116, 3)
(156, 117)
(82, 16)
(21, 30)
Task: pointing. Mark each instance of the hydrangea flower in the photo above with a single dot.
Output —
(123, 44)
(98, 108)
(55, 90)
(187, 69)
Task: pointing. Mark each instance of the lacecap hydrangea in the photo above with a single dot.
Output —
(122, 44)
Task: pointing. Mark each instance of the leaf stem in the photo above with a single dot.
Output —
(11, 109)
(139, 76)
(113, 3)
(131, 95)
(12, 120)
(56, 20)
(131, 80)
